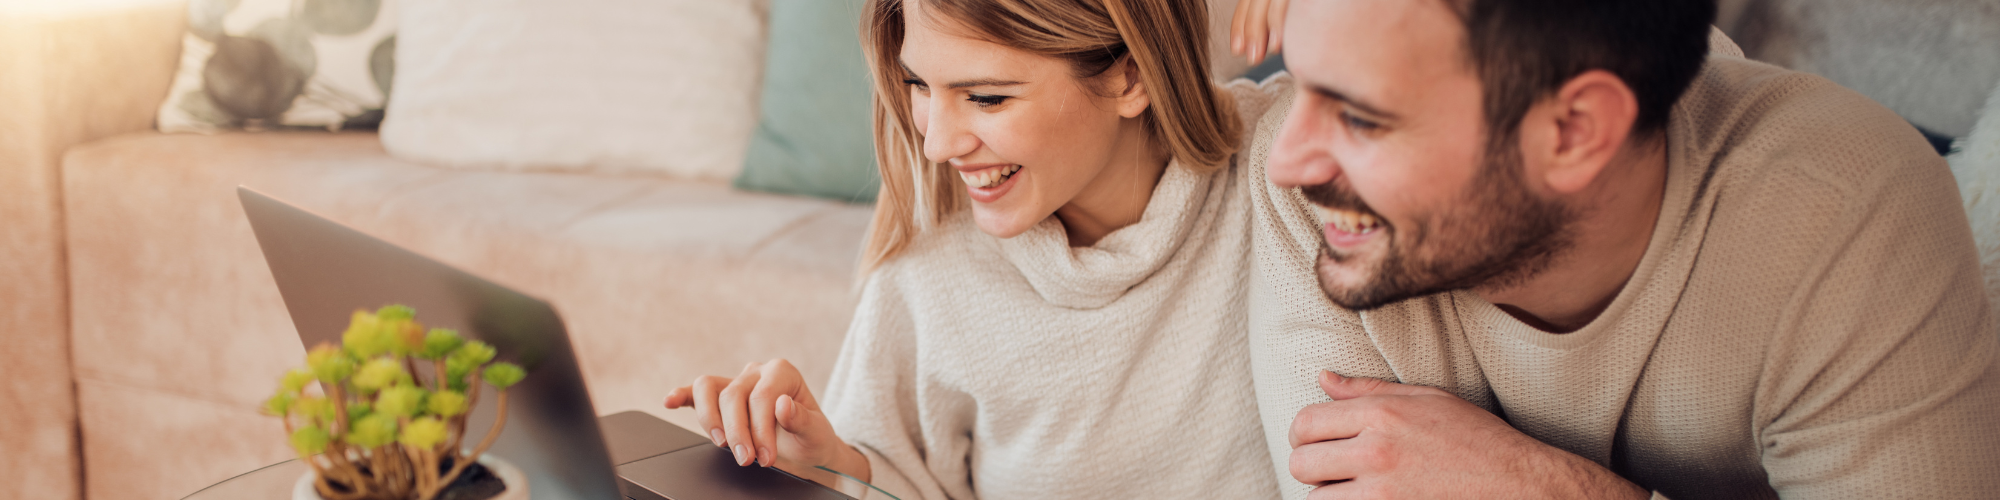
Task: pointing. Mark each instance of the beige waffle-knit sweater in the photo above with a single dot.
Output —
(978, 367)
(1808, 320)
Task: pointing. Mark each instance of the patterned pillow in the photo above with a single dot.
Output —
(267, 64)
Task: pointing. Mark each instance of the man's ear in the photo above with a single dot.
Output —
(1132, 96)
(1580, 129)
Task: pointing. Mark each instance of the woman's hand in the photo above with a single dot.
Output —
(768, 416)
(1258, 28)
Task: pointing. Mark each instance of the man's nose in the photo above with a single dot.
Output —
(946, 136)
(1301, 154)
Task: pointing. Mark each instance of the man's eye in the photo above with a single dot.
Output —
(1359, 123)
(986, 100)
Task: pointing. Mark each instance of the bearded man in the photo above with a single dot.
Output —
(1558, 248)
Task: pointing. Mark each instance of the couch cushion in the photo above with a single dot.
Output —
(659, 281)
(622, 86)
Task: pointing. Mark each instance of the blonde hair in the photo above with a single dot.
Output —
(1165, 40)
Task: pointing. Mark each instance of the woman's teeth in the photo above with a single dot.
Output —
(989, 177)
(1348, 221)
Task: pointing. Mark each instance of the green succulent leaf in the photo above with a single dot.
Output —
(446, 403)
(280, 404)
(473, 353)
(396, 312)
(379, 373)
(313, 407)
(503, 375)
(374, 430)
(424, 432)
(367, 336)
(295, 380)
(310, 440)
(400, 401)
(440, 342)
(358, 409)
(329, 364)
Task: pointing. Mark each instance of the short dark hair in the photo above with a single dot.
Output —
(1524, 50)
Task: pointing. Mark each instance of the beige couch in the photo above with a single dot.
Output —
(143, 329)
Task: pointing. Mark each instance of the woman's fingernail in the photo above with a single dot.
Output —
(715, 435)
(740, 450)
(764, 456)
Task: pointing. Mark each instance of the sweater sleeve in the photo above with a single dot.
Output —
(1880, 380)
(876, 401)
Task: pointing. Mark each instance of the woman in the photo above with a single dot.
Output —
(1056, 273)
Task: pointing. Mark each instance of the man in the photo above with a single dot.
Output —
(1603, 263)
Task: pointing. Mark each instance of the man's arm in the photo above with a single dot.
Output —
(1379, 439)
(1880, 379)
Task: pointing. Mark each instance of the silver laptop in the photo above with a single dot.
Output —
(326, 270)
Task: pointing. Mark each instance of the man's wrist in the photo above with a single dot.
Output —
(1582, 478)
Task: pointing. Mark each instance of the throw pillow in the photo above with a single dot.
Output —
(609, 86)
(814, 134)
(282, 63)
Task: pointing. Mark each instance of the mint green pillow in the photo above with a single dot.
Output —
(813, 129)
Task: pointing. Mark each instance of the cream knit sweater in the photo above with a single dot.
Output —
(978, 367)
(1808, 320)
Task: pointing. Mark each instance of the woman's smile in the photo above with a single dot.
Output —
(987, 183)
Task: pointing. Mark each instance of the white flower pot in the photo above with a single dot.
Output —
(517, 483)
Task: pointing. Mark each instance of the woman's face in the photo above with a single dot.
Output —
(1025, 135)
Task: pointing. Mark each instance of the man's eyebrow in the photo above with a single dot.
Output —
(1330, 93)
(962, 84)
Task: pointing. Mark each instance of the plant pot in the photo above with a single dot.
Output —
(517, 483)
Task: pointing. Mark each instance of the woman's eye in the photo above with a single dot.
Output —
(1359, 123)
(986, 100)
(919, 84)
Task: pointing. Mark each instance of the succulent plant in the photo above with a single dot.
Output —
(371, 426)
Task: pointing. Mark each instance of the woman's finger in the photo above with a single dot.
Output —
(776, 378)
(1236, 26)
(1276, 22)
(679, 397)
(706, 390)
(734, 401)
(1257, 33)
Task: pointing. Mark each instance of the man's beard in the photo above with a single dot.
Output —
(1502, 236)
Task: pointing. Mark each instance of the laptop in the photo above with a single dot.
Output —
(326, 270)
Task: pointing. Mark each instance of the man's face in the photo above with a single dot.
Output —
(1388, 140)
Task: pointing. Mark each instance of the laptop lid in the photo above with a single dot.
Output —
(326, 270)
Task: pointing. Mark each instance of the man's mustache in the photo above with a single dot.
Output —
(1338, 196)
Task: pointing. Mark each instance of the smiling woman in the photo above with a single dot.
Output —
(1083, 102)
(1054, 283)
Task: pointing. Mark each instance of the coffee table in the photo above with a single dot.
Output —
(630, 436)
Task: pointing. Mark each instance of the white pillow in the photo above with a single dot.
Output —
(604, 86)
(1976, 164)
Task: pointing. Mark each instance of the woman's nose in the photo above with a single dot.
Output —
(946, 136)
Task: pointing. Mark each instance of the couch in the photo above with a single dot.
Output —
(145, 329)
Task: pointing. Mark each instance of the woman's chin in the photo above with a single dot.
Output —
(1003, 224)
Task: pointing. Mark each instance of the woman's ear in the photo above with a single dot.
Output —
(1132, 97)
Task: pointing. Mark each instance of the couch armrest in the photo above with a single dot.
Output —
(81, 73)
(70, 72)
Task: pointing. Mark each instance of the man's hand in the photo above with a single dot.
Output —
(1379, 439)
